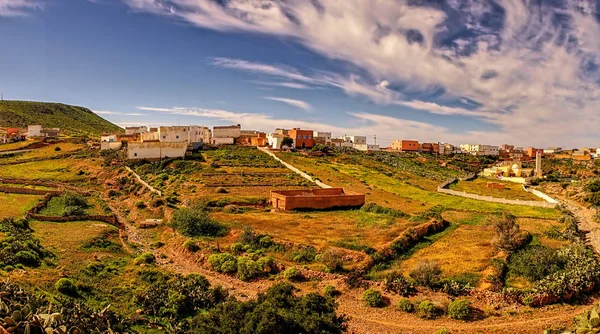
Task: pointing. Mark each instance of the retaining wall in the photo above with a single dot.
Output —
(294, 169)
(540, 195)
(109, 219)
(142, 182)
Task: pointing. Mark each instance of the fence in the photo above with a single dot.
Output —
(495, 199)
(540, 195)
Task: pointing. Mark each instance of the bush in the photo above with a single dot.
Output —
(508, 235)
(147, 258)
(375, 208)
(57, 149)
(221, 190)
(140, 205)
(396, 283)
(66, 286)
(304, 255)
(223, 262)
(406, 305)
(459, 309)
(332, 258)
(372, 298)
(266, 264)
(191, 246)
(427, 273)
(535, 262)
(427, 310)
(28, 258)
(247, 268)
(331, 291)
(292, 274)
(191, 223)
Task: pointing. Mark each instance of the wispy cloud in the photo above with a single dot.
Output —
(108, 112)
(293, 85)
(532, 69)
(19, 7)
(296, 103)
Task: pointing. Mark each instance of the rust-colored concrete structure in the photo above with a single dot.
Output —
(495, 185)
(302, 138)
(406, 145)
(325, 198)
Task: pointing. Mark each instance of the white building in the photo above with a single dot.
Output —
(133, 130)
(230, 131)
(360, 140)
(275, 140)
(34, 131)
(366, 147)
(324, 136)
(155, 150)
(480, 149)
(110, 142)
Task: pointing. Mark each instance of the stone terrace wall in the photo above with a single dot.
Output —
(28, 191)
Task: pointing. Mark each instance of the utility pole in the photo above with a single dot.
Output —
(375, 139)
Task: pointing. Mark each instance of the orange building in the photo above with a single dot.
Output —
(406, 145)
(302, 138)
(532, 152)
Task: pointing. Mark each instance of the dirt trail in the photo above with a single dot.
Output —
(586, 222)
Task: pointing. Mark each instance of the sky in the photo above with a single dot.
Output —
(459, 71)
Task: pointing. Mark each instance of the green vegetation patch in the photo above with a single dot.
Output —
(18, 247)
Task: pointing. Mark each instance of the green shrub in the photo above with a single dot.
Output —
(375, 208)
(372, 298)
(427, 273)
(460, 309)
(140, 205)
(331, 291)
(304, 255)
(221, 190)
(292, 274)
(396, 283)
(535, 262)
(66, 286)
(57, 149)
(332, 259)
(247, 268)
(427, 310)
(28, 258)
(191, 246)
(266, 264)
(147, 258)
(196, 222)
(406, 305)
(223, 262)
(508, 234)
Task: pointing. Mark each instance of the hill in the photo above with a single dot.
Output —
(72, 120)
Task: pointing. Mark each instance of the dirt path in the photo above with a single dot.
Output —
(586, 222)
(294, 169)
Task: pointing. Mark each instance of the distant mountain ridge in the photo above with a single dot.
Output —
(73, 120)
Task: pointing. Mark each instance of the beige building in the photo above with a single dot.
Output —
(480, 149)
(230, 131)
(155, 150)
(134, 130)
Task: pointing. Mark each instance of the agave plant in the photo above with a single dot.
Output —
(588, 323)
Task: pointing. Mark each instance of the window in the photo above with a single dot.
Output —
(309, 137)
(135, 154)
(299, 137)
(176, 137)
(304, 137)
(164, 137)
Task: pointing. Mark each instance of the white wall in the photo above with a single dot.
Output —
(155, 150)
(173, 134)
(112, 145)
(222, 141)
(227, 132)
(34, 131)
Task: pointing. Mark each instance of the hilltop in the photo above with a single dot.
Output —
(73, 120)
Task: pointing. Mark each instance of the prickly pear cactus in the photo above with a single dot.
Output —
(588, 323)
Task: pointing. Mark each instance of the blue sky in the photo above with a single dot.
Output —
(521, 72)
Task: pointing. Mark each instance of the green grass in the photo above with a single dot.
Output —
(53, 170)
(479, 186)
(15, 205)
(72, 120)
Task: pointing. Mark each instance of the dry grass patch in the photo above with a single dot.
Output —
(15, 205)
(50, 170)
(14, 146)
(467, 249)
(323, 229)
(478, 186)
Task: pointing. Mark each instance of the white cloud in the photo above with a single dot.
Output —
(107, 112)
(296, 103)
(18, 7)
(293, 85)
(530, 78)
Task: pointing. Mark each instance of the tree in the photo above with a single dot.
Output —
(287, 141)
(194, 222)
(508, 232)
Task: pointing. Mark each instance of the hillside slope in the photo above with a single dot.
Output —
(72, 120)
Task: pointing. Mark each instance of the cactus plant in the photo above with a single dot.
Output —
(588, 323)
